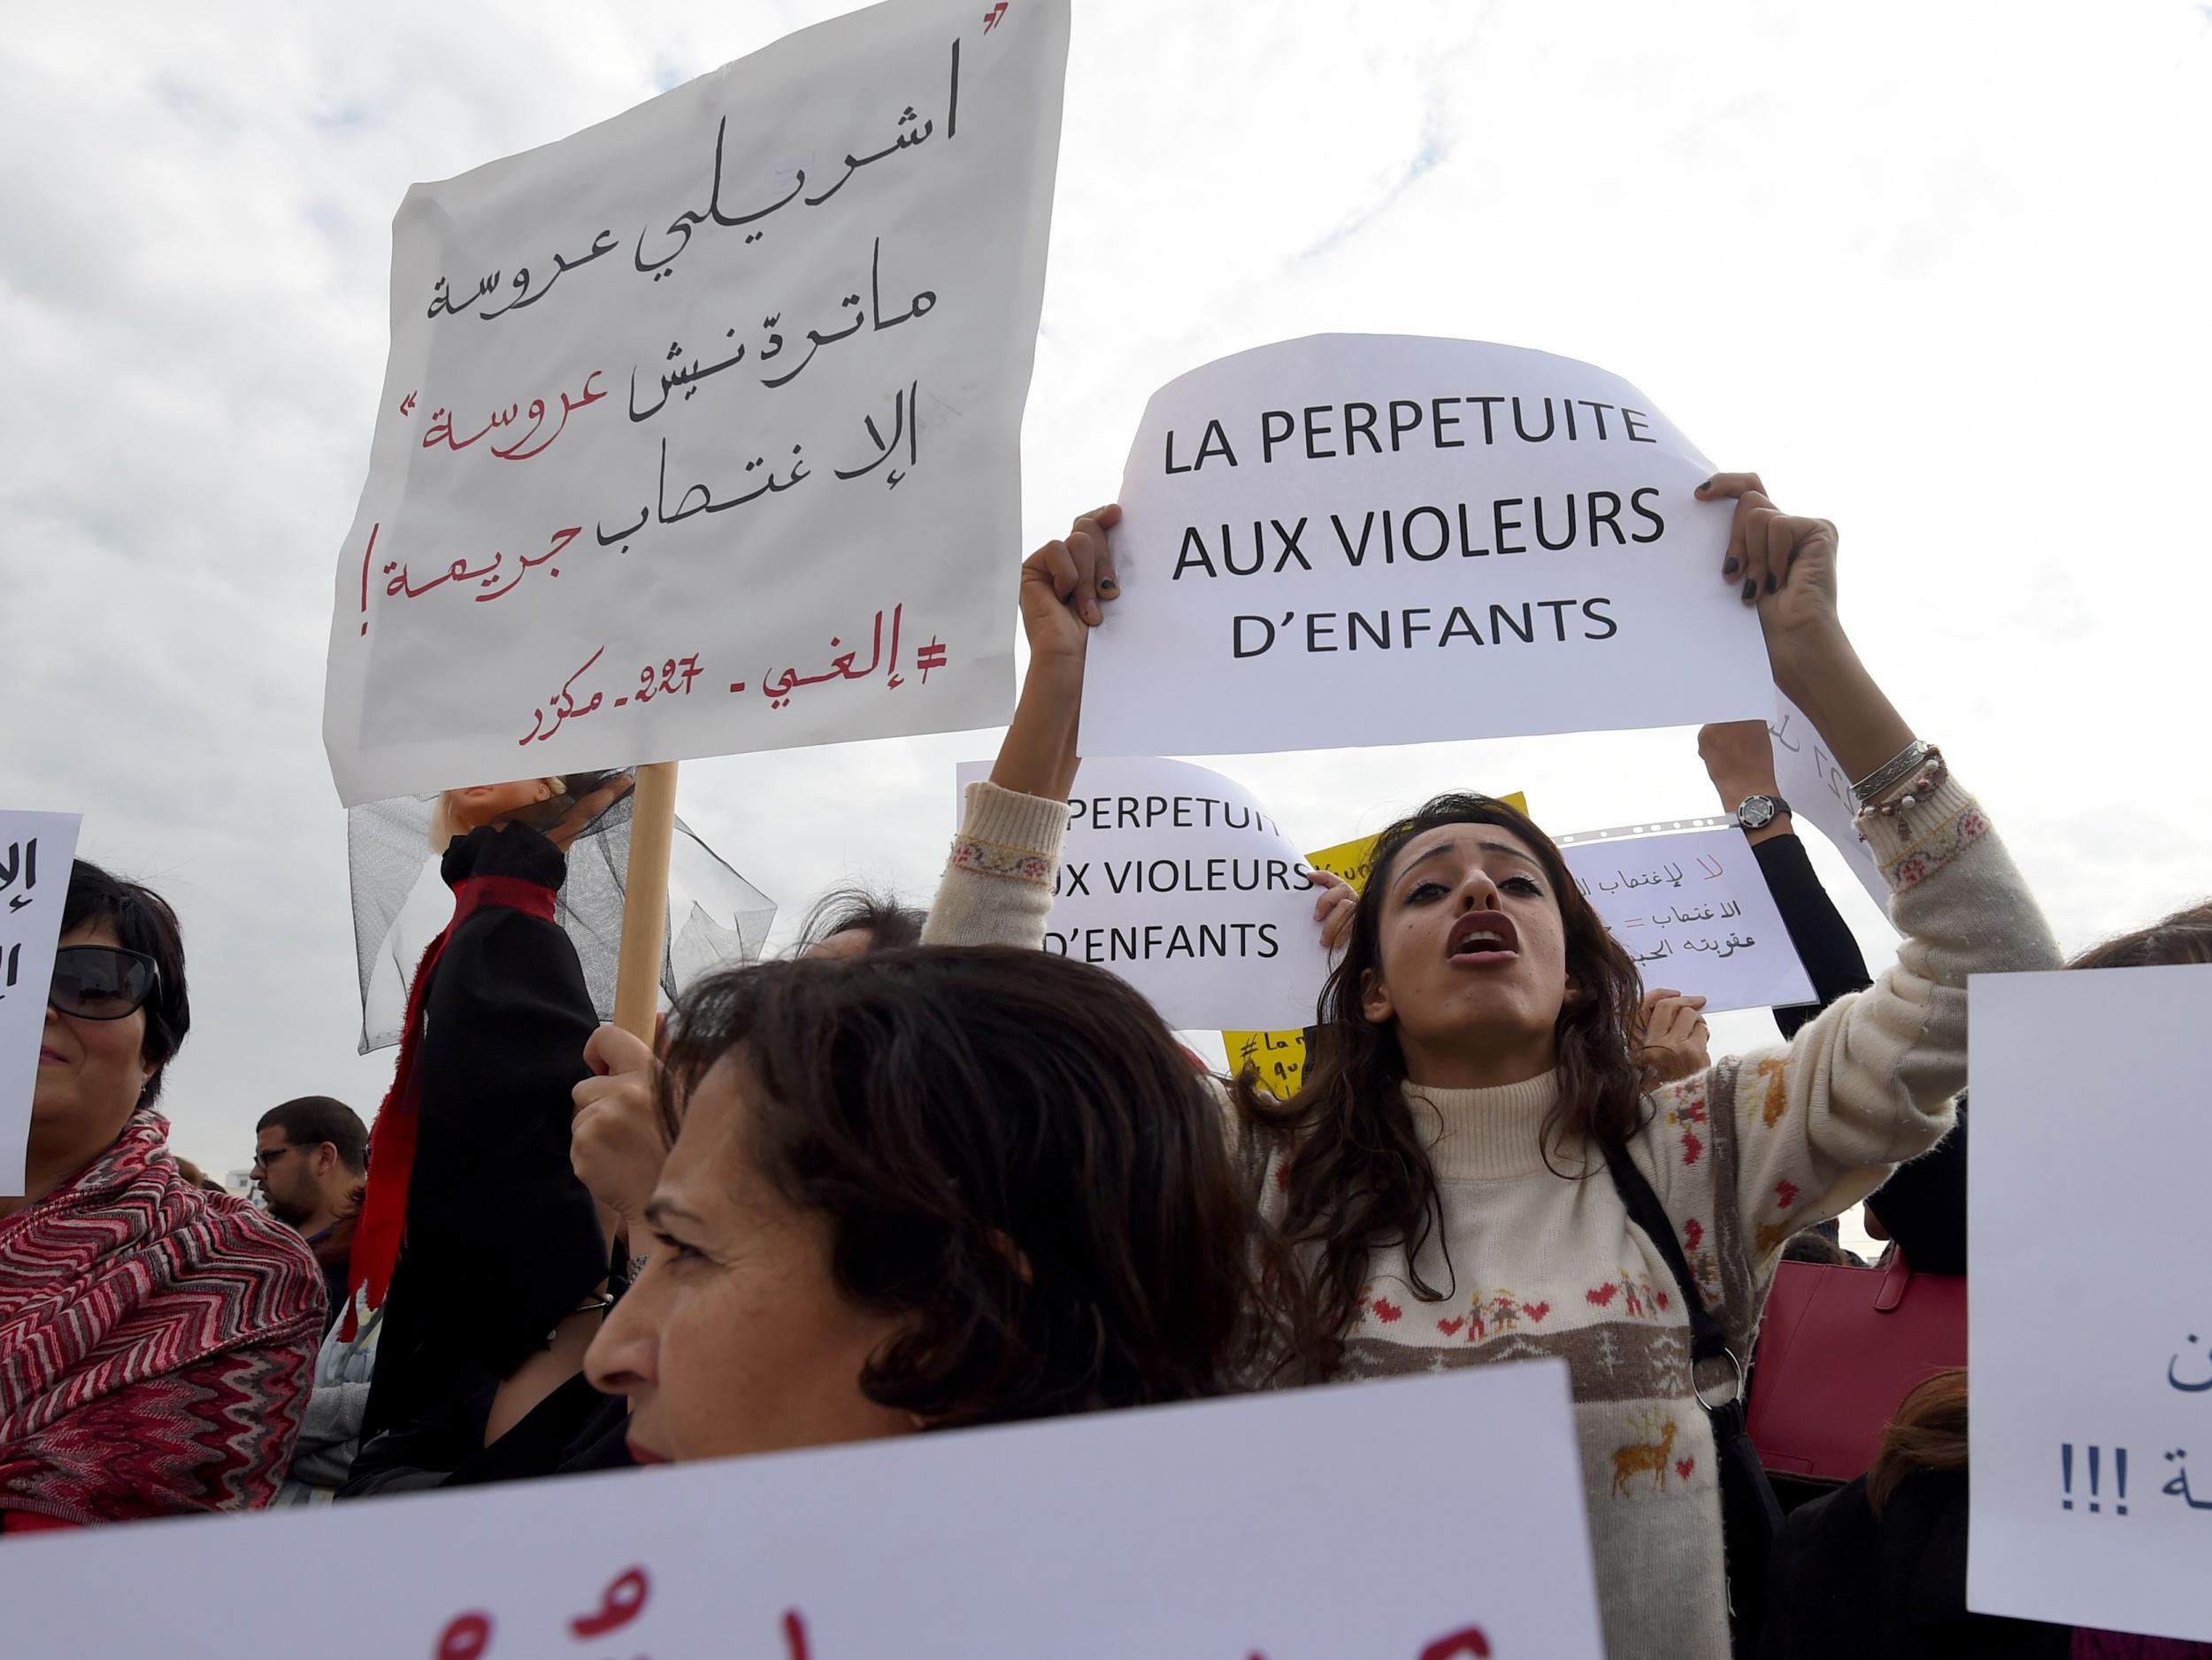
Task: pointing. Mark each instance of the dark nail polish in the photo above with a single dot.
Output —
(1110, 587)
(1732, 567)
(1750, 587)
(1771, 583)
(1706, 484)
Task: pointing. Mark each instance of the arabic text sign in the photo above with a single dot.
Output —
(1819, 792)
(1280, 1056)
(37, 849)
(701, 428)
(845, 1553)
(1693, 909)
(1176, 879)
(2091, 1461)
(1356, 539)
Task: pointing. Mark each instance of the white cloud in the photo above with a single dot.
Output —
(1937, 271)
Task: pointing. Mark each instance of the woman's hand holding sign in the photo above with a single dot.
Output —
(1334, 907)
(1786, 564)
(1065, 586)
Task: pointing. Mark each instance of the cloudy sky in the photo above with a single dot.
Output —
(1939, 272)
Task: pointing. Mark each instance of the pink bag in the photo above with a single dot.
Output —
(1838, 1349)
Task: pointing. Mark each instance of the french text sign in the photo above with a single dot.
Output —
(1819, 792)
(2093, 1460)
(701, 428)
(1176, 879)
(1694, 910)
(37, 850)
(1280, 1056)
(1363, 539)
(1239, 1523)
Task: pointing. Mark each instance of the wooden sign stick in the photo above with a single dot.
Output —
(637, 982)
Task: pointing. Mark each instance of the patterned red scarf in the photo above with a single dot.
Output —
(383, 1223)
(157, 1342)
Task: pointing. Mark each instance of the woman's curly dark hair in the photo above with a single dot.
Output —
(1359, 1177)
(1014, 1155)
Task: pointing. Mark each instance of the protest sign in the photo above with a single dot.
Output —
(1819, 792)
(1692, 906)
(37, 849)
(1240, 1521)
(2086, 1218)
(1175, 879)
(687, 414)
(1360, 539)
(1280, 1056)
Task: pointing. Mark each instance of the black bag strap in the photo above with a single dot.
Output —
(1708, 1340)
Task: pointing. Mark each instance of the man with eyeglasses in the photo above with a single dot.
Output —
(310, 1157)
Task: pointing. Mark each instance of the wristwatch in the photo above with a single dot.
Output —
(1758, 811)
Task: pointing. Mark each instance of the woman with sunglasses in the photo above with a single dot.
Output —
(156, 1340)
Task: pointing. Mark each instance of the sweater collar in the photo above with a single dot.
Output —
(1492, 1134)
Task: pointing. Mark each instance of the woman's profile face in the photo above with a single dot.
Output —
(736, 1338)
(487, 803)
(89, 1072)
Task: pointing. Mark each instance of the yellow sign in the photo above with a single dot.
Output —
(1280, 1056)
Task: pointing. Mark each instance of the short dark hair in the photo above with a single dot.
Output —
(143, 921)
(1014, 1155)
(887, 923)
(310, 1120)
(2184, 937)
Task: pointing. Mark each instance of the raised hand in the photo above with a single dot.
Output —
(1065, 586)
(616, 1139)
(1671, 1036)
(1786, 564)
(1334, 908)
(1066, 583)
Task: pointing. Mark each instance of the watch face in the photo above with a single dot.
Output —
(1756, 813)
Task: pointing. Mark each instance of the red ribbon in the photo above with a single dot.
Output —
(383, 1217)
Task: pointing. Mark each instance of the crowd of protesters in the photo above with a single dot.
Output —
(920, 1174)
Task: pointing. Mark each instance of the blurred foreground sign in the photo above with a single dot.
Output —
(701, 429)
(2092, 1462)
(1219, 1531)
(37, 849)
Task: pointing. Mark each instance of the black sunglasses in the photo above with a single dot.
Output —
(102, 982)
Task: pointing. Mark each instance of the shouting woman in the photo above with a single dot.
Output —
(1479, 1167)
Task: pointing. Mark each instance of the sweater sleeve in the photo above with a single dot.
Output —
(1823, 939)
(1801, 1134)
(999, 878)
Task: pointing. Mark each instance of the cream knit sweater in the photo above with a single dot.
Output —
(1536, 1262)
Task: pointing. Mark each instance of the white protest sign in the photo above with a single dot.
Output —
(2092, 1460)
(1356, 539)
(37, 850)
(701, 430)
(1693, 909)
(1225, 1530)
(1819, 792)
(1176, 879)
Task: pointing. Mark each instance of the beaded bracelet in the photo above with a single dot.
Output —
(1924, 782)
(1891, 773)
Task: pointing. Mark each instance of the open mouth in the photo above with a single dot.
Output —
(1483, 936)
